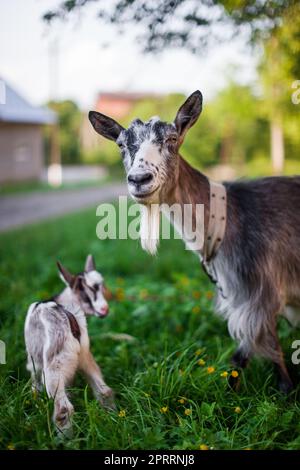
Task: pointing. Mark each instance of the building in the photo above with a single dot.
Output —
(116, 105)
(21, 136)
(119, 105)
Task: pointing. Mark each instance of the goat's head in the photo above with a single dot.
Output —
(88, 288)
(150, 149)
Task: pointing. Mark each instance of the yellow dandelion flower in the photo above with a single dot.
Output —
(11, 447)
(198, 352)
(164, 409)
(182, 400)
(120, 294)
(185, 281)
(187, 412)
(196, 309)
(234, 373)
(210, 370)
(196, 294)
(122, 414)
(224, 374)
(209, 295)
(201, 362)
(203, 447)
(237, 409)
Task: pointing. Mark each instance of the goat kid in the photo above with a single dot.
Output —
(256, 265)
(57, 340)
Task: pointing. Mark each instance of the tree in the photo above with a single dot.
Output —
(196, 24)
(69, 117)
(279, 69)
(185, 23)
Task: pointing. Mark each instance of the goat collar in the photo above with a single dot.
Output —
(217, 220)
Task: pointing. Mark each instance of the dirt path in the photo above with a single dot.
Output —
(24, 209)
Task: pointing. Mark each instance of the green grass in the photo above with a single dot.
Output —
(165, 304)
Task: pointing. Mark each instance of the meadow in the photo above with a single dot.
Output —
(162, 349)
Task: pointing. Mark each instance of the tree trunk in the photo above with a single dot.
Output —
(226, 150)
(277, 146)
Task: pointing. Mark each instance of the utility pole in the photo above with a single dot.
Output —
(55, 168)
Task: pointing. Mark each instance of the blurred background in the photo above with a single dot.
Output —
(129, 58)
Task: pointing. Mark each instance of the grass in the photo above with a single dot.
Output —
(169, 390)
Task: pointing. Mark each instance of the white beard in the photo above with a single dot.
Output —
(149, 228)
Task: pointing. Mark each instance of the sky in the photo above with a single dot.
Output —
(67, 59)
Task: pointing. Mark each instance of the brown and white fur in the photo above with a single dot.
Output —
(257, 267)
(57, 340)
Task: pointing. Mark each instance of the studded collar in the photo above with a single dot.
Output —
(217, 220)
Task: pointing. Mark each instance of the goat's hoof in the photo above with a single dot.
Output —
(62, 420)
(107, 399)
(285, 386)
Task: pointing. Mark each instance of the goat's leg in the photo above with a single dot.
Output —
(269, 347)
(55, 383)
(92, 371)
(37, 384)
(240, 360)
(285, 383)
(36, 375)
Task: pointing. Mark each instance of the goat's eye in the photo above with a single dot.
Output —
(172, 139)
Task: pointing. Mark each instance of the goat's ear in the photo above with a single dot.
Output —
(90, 264)
(188, 113)
(105, 126)
(65, 275)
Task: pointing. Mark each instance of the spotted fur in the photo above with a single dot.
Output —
(57, 340)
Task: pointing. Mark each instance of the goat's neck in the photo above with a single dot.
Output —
(191, 187)
(68, 300)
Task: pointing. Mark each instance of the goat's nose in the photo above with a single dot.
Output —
(104, 310)
(140, 178)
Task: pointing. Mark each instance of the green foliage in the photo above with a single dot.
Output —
(106, 154)
(170, 401)
(196, 26)
(69, 120)
(227, 129)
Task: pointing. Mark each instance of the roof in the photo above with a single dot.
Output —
(17, 109)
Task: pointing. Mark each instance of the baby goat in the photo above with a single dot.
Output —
(57, 340)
